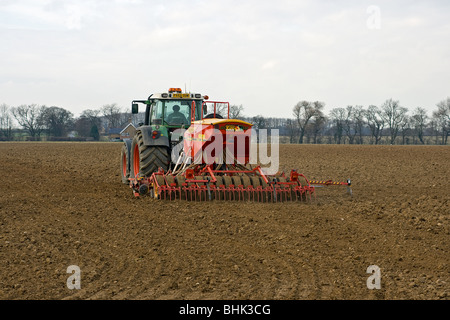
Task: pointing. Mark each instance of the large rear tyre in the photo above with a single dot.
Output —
(145, 160)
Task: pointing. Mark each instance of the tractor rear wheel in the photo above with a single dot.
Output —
(146, 160)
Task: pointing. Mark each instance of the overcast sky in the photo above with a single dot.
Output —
(265, 55)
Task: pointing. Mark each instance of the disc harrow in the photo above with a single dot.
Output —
(208, 184)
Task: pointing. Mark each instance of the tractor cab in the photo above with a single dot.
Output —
(173, 110)
(166, 113)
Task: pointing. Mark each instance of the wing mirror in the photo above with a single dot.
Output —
(134, 108)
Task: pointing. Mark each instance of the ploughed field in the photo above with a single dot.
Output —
(63, 204)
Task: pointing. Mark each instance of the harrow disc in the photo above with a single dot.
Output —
(238, 190)
(256, 183)
(180, 181)
(158, 188)
(219, 189)
(247, 185)
(172, 192)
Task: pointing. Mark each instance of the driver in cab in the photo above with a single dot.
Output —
(176, 117)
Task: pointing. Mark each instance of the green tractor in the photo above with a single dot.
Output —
(152, 145)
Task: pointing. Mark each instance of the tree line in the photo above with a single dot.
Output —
(57, 123)
(389, 123)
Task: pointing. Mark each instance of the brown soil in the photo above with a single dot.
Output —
(63, 204)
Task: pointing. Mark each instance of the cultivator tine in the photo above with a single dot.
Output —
(267, 194)
(240, 193)
(199, 193)
(217, 192)
(209, 191)
(252, 192)
(258, 192)
(231, 192)
(183, 193)
(287, 194)
(221, 192)
(279, 195)
(203, 192)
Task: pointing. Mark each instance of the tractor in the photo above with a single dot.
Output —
(188, 148)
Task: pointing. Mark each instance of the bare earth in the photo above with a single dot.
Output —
(63, 204)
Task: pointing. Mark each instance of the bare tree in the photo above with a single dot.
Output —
(221, 109)
(317, 126)
(434, 129)
(442, 118)
(376, 123)
(87, 125)
(6, 122)
(405, 129)
(350, 127)
(92, 115)
(338, 117)
(308, 132)
(58, 121)
(419, 122)
(292, 130)
(113, 114)
(304, 112)
(259, 122)
(236, 112)
(29, 117)
(393, 115)
(359, 122)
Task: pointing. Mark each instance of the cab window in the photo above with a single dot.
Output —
(177, 112)
(156, 115)
(174, 112)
